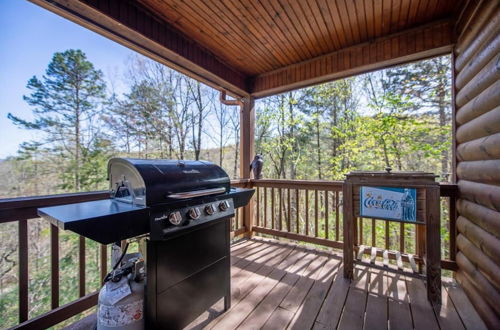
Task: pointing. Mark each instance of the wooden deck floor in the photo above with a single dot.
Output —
(279, 286)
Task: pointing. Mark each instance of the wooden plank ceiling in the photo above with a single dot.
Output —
(256, 37)
(239, 45)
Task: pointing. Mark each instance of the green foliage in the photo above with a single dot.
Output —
(65, 101)
(398, 118)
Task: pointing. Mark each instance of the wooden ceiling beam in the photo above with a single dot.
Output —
(135, 27)
(403, 47)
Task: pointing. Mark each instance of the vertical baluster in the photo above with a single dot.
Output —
(355, 230)
(452, 207)
(307, 212)
(265, 207)
(81, 267)
(387, 235)
(361, 220)
(273, 219)
(104, 261)
(374, 226)
(23, 269)
(326, 214)
(289, 217)
(280, 191)
(420, 242)
(402, 237)
(239, 218)
(297, 212)
(54, 266)
(258, 206)
(316, 212)
(236, 220)
(337, 221)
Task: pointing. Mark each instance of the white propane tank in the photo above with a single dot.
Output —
(121, 299)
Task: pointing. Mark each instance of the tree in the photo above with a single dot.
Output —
(234, 117)
(65, 101)
(198, 115)
(428, 83)
(220, 134)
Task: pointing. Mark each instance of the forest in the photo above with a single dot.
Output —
(398, 117)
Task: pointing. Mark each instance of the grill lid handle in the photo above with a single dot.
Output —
(196, 193)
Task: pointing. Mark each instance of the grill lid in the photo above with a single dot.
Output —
(149, 182)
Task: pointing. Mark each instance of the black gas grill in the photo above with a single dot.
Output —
(185, 207)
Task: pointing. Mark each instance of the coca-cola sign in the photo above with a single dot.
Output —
(389, 203)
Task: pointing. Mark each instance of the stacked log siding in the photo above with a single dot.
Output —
(477, 120)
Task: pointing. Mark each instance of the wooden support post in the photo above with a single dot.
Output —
(247, 131)
(433, 245)
(348, 230)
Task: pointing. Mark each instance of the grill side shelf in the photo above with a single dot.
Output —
(104, 221)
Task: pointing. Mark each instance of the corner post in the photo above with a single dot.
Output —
(247, 141)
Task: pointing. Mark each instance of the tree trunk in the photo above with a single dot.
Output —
(442, 121)
(77, 142)
(318, 144)
(221, 150)
(293, 166)
(386, 153)
(200, 123)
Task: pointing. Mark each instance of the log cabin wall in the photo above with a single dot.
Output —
(477, 140)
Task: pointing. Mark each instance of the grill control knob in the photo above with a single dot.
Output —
(224, 205)
(194, 213)
(210, 209)
(175, 218)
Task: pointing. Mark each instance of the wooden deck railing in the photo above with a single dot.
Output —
(22, 210)
(305, 211)
(311, 211)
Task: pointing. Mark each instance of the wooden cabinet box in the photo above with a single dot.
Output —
(410, 197)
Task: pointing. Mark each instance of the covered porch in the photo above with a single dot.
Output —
(249, 51)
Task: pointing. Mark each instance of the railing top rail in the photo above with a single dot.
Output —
(19, 208)
(49, 200)
(302, 184)
(240, 182)
(15, 209)
(446, 189)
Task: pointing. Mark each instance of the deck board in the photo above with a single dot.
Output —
(245, 306)
(423, 314)
(398, 302)
(469, 316)
(258, 317)
(294, 298)
(329, 314)
(376, 303)
(279, 285)
(447, 315)
(308, 311)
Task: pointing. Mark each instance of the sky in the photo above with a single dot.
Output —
(29, 36)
